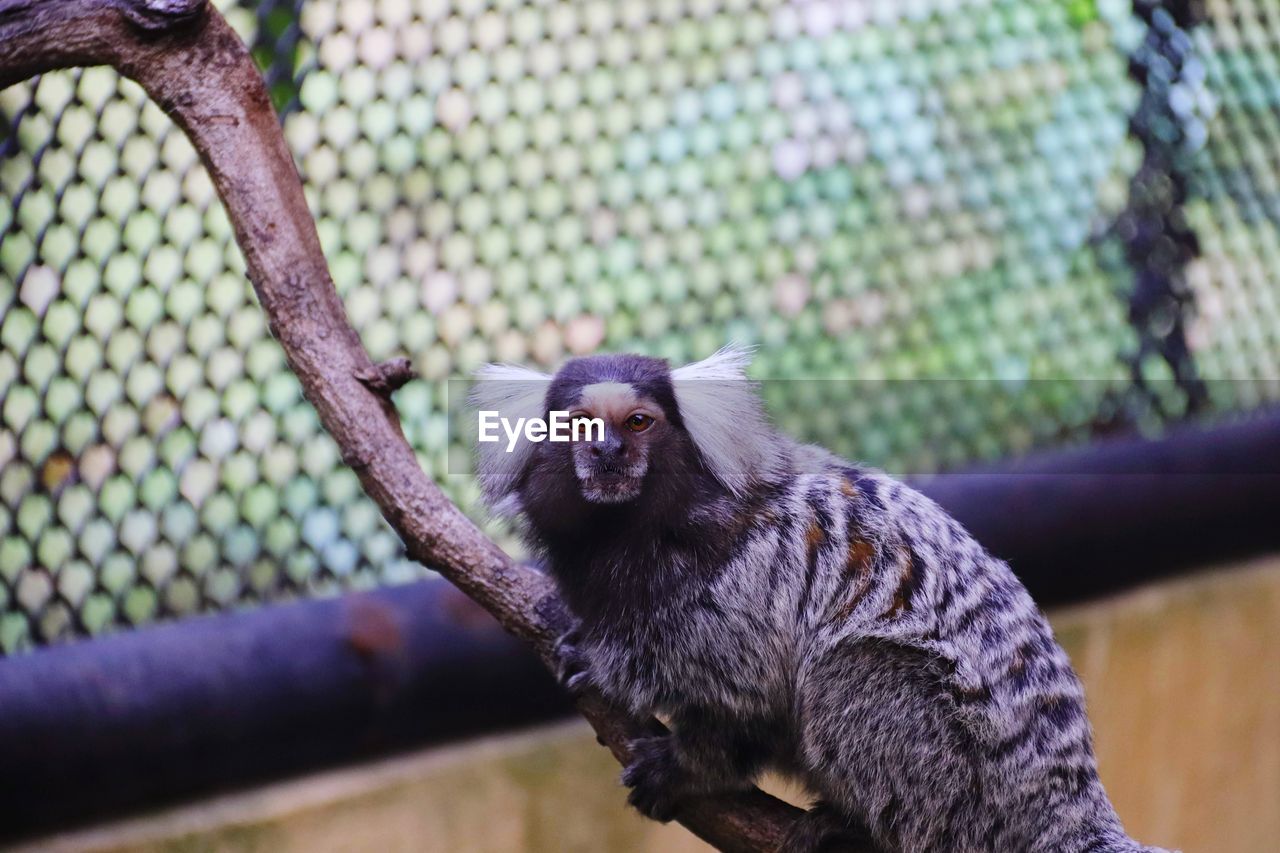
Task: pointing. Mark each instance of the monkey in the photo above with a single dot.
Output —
(785, 609)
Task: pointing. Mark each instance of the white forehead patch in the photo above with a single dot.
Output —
(608, 400)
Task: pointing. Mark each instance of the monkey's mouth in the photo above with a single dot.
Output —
(607, 483)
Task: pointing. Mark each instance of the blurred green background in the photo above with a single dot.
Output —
(923, 196)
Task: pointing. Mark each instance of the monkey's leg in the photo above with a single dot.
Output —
(704, 754)
(879, 741)
(822, 828)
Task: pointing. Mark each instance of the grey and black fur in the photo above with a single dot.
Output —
(784, 608)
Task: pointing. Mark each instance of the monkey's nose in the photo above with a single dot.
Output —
(611, 445)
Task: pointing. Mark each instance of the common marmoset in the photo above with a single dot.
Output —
(784, 608)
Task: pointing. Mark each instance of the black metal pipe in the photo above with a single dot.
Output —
(136, 719)
(1081, 523)
(101, 727)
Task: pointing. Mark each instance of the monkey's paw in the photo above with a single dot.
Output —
(573, 669)
(654, 777)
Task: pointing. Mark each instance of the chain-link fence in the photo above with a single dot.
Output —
(981, 190)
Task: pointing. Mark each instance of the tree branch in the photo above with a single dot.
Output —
(194, 66)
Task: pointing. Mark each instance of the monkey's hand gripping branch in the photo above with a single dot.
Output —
(194, 66)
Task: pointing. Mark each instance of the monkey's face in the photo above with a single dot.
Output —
(662, 440)
(611, 467)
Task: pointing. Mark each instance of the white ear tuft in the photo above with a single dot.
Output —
(724, 416)
(727, 363)
(514, 392)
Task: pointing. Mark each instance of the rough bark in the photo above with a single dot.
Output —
(194, 66)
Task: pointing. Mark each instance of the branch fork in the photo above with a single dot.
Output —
(387, 377)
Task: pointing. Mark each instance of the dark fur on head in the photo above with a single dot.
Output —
(651, 377)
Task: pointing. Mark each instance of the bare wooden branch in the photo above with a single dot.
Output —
(194, 66)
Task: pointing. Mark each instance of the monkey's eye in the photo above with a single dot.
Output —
(638, 422)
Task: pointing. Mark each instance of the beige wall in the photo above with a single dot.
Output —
(1183, 680)
(1183, 683)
